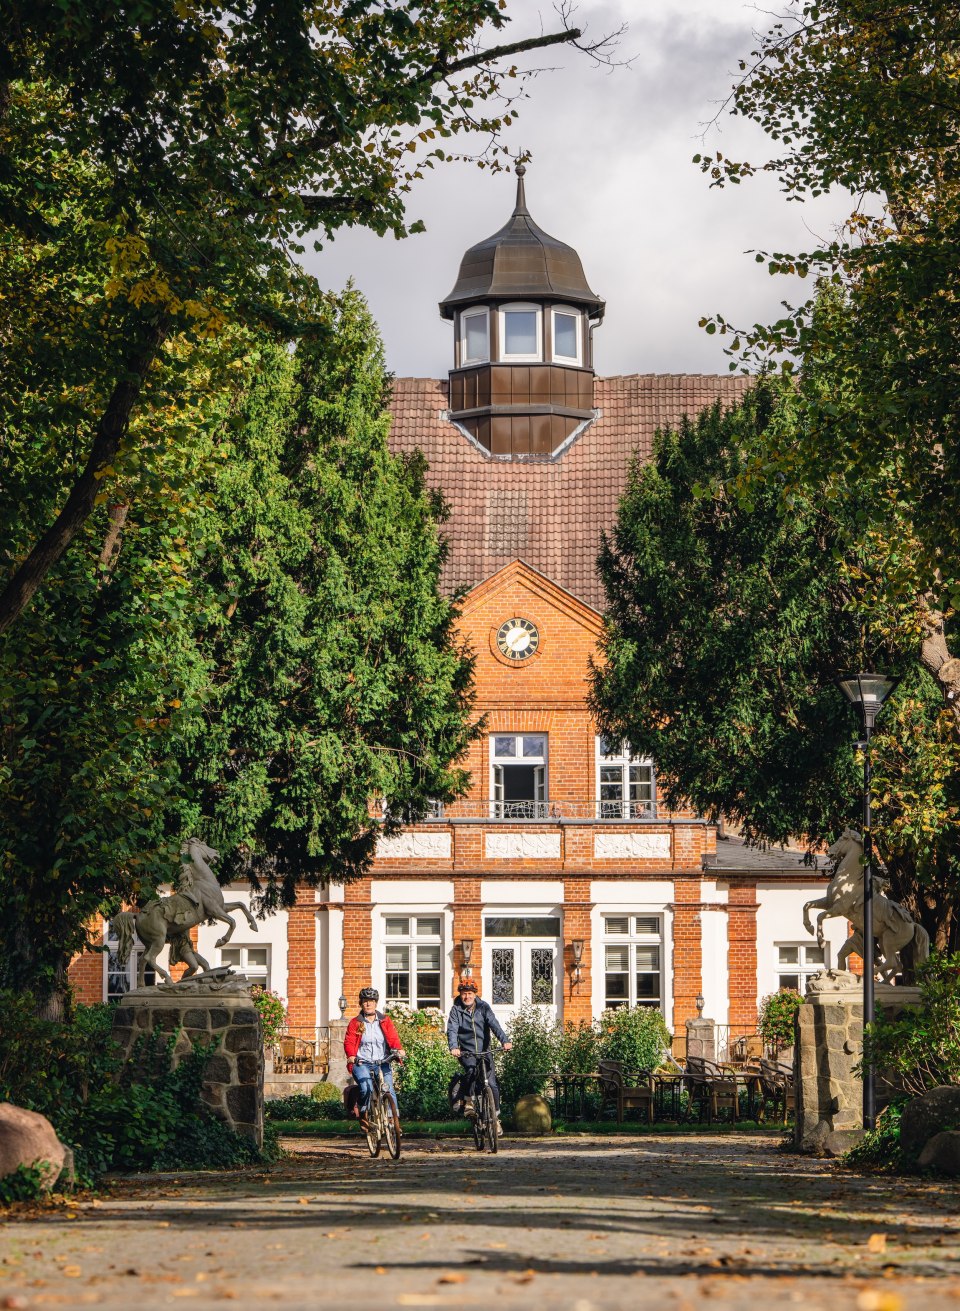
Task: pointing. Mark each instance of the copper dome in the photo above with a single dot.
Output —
(521, 262)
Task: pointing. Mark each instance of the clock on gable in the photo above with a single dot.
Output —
(517, 639)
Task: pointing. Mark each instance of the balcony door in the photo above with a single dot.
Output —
(518, 775)
(522, 964)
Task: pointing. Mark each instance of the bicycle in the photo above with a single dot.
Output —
(485, 1121)
(383, 1118)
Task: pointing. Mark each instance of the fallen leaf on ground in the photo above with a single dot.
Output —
(877, 1243)
(452, 1279)
(74, 1271)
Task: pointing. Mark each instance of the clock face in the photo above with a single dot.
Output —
(517, 639)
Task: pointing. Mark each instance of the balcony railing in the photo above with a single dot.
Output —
(544, 812)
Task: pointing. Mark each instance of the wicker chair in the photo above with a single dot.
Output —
(623, 1096)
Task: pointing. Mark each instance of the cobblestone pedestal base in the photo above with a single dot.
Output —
(233, 1076)
(829, 1095)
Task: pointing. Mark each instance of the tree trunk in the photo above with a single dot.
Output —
(936, 659)
(110, 432)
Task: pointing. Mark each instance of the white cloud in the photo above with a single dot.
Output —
(612, 176)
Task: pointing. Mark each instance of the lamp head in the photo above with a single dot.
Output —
(868, 691)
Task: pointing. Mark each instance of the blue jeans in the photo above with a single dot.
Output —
(363, 1074)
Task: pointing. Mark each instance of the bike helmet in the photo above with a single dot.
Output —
(467, 985)
(369, 994)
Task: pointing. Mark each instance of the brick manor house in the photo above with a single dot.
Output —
(560, 879)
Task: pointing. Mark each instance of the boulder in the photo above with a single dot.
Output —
(532, 1115)
(942, 1153)
(827, 1141)
(27, 1138)
(926, 1116)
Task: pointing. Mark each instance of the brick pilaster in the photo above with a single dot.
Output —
(577, 997)
(86, 970)
(687, 951)
(357, 940)
(302, 963)
(742, 960)
(467, 923)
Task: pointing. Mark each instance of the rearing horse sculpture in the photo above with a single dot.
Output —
(892, 925)
(198, 898)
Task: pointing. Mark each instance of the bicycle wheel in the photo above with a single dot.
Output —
(477, 1124)
(490, 1119)
(391, 1126)
(373, 1120)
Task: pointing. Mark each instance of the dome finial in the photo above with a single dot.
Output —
(521, 205)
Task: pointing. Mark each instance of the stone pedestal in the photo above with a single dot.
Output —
(233, 1076)
(829, 1094)
(337, 1073)
(702, 1039)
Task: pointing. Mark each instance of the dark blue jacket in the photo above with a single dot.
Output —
(470, 1030)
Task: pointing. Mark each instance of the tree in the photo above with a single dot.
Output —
(205, 142)
(863, 95)
(337, 674)
(729, 621)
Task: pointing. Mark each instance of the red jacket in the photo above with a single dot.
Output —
(351, 1041)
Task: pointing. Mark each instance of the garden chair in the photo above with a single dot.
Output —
(712, 1089)
(777, 1085)
(623, 1096)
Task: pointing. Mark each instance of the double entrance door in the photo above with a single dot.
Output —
(521, 967)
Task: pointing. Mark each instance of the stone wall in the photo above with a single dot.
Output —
(233, 1076)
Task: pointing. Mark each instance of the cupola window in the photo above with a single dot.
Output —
(566, 336)
(520, 333)
(475, 336)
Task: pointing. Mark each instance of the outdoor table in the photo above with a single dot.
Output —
(668, 1087)
(749, 1078)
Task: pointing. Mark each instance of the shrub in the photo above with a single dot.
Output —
(298, 1106)
(272, 1010)
(424, 1076)
(637, 1038)
(880, 1147)
(326, 1092)
(527, 1067)
(577, 1047)
(24, 1184)
(777, 1015)
(920, 1049)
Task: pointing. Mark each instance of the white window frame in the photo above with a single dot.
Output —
(412, 940)
(473, 312)
(129, 970)
(623, 759)
(804, 969)
(539, 804)
(633, 939)
(575, 314)
(526, 306)
(259, 974)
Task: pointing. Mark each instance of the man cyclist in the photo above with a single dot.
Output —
(469, 1026)
(370, 1038)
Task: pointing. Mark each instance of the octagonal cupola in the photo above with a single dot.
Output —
(523, 317)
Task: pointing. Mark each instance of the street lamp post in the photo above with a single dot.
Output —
(868, 692)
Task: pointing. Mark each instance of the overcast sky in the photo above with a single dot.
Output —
(612, 176)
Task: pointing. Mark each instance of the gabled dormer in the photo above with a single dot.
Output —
(523, 318)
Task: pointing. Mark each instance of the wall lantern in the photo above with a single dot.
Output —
(576, 947)
(466, 955)
(342, 1003)
(699, 1003)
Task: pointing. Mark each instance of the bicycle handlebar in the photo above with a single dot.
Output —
(387, 1060)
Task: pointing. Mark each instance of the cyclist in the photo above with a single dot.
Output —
(469, 1026)
(371, 1036)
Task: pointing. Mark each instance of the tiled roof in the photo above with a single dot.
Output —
(548, 512)
(733, 855)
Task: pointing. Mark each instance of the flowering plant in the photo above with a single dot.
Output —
(272, 1010)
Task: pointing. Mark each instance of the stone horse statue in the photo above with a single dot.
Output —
(893, 927)
(197, 900)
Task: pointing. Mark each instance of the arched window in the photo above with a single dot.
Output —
(521, 332)
(475, 335)
(567, 335)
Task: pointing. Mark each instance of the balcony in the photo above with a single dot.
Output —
(544, 812)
